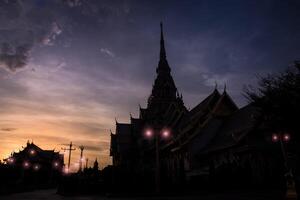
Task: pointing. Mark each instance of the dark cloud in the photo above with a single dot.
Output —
(10, 9)
(89, 145)
(40, 23)
(102, 146)
(13, 60)
(24, 25)
(73, 3)
(8, 129)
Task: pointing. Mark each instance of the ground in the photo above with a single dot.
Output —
(51, 195)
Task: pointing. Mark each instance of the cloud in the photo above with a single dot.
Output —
(41, 23)
(11, 60)
(54, 31)
(21, 31)
(89, 145)
(8, 129)
(96, 147)
(73, 3)
(107, 52)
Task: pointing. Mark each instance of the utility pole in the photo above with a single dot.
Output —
(81, 157)
(70, 149)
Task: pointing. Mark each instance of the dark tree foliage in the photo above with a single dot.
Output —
(278, 97)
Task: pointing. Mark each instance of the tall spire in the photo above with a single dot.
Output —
(162, 43)
(163, 65)
(164, 89)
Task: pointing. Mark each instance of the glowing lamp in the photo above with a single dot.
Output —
(32, 152)
(55, 164)
(148, 133)
(26, 164)
(10, 160)
(286, 137)
(166, 133)
(275, 137)
(36, 167)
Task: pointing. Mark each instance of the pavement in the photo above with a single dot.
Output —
(51, 195)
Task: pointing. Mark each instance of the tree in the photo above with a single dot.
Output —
(278, 98)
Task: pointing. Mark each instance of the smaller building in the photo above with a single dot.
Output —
(37, 164)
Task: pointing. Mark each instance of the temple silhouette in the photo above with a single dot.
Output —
(37, 159)
(216, 144)
(30, 168)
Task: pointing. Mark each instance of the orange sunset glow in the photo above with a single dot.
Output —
(35, 121)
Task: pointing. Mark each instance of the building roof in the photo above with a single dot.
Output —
(195, 118)
(37, 154)
(123, 129)
(209, 101)
(225, 105)
(233, 129)
(123, 138)
(113, 144)
(142, 112)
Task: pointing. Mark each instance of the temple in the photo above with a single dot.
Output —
(35, 164)
(214, 143)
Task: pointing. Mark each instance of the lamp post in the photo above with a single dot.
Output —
(81, 157)
(165, 133)
(285, 137)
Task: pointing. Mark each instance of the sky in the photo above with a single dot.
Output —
(68, 68)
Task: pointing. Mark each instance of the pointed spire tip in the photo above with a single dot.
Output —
(162, 43)
(224, 88)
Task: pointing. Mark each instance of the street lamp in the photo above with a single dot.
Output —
(26, 164)
(10, 160)
(157, 133)
(285, 137)
(36, 167)
(148, 133)
(166, 134)
(81, 157)
(55, 164)
(275, 138)
(32, 152)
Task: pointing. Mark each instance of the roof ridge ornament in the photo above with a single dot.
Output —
(216, 85)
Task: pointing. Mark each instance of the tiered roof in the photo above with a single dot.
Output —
(209, 125)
